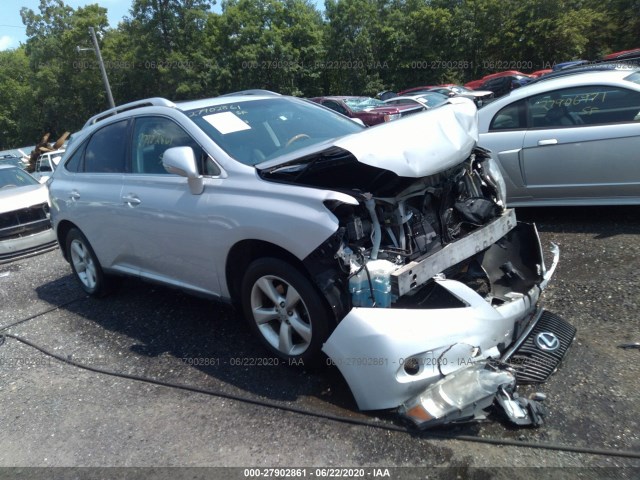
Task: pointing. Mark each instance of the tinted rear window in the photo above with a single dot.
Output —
(106, 150)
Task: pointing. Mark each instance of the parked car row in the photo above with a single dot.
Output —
(425, 99)
(480, 97)
(501, 83)
(370, 111)
(569, 136)
(44, 165)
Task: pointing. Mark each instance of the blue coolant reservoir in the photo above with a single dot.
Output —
(380, 274)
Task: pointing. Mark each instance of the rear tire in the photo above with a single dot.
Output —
(286, 311)
(85, 265)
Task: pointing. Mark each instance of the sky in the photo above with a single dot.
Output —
(12, 31)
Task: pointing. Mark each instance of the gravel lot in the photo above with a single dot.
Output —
(57, 415)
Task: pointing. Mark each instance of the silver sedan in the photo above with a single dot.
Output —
(569, 140)
(25, 226)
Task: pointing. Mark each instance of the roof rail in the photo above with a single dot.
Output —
(254, 91)
(149, 102)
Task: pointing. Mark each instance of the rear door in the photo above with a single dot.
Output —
(89, 190)
(584, 142)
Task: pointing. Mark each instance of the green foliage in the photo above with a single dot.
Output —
(63, 86)
(161, 49)
(269, 44)
(181, 49)
(14, 96)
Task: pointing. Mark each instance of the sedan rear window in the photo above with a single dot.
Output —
(509, 118)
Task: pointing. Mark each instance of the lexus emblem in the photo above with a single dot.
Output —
(547, 341)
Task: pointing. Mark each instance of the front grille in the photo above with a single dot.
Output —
(531, 363)
(23, 222)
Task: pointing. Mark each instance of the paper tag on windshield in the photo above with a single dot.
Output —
(226, 122)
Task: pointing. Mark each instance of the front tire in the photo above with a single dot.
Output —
(285, 310)
(85, 265)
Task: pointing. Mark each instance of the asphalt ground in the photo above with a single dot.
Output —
(242, 408)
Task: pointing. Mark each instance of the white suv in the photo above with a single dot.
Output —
(46, 164)
(388, 248)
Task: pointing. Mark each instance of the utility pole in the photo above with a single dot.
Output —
(96, 49)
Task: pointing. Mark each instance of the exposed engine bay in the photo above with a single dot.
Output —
(404, 231)
(385, 233)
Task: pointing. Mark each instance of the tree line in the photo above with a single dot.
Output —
(181, 49)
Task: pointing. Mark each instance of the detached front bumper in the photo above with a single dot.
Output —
(390, 355)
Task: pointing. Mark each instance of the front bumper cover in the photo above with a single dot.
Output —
(371, 346)
(20, 247)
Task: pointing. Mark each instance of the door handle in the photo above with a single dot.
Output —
(74, 195)
(550, 141)
(131, 200)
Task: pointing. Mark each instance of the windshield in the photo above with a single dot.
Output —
(402, 101)
(433, 99)
(634, 77)
(257, 130)
(359, 104)
(15, 161)
(15, 177)
(460, 89)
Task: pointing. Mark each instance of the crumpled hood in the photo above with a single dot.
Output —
(416, 146)
(421, 144)
(15, 198)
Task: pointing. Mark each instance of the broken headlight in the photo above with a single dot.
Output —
(460, 396)
(496, 175)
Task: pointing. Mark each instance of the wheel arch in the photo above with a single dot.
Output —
(62, 231)
(243, 253)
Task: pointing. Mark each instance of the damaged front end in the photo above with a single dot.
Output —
(433, 283)
(466, 394)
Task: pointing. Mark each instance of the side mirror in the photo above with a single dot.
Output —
(182, 161)
(359, 121)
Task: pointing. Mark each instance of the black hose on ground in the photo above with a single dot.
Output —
(325, 416)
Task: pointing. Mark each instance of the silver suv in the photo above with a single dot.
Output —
(389, 249)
